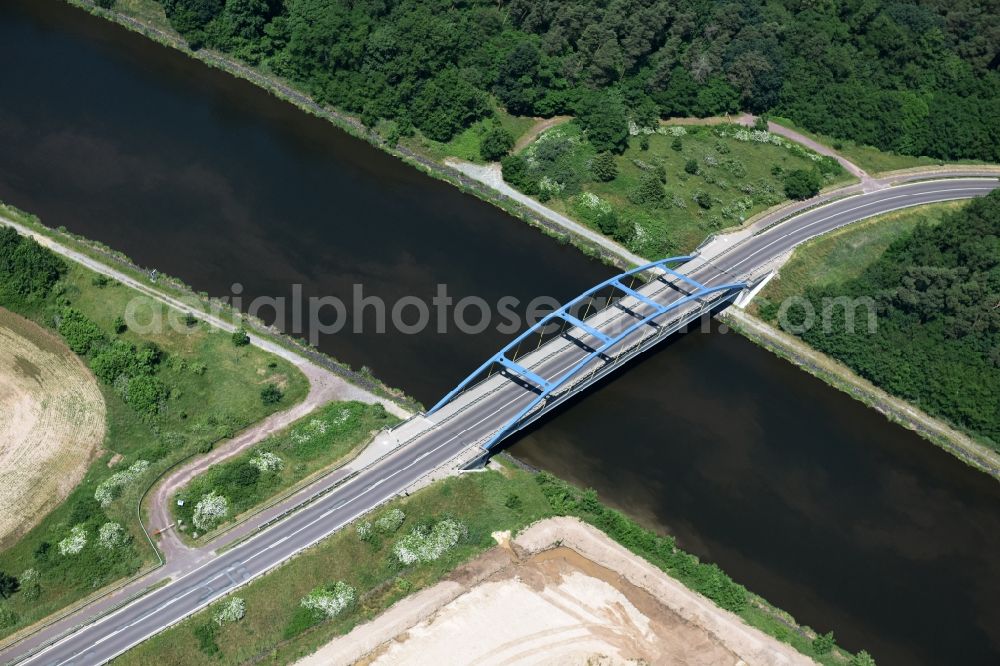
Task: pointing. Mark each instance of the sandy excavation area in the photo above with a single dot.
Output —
(561, 593)
(52, 420)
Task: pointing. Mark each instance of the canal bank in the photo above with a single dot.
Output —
(482, 183)
(837, 515)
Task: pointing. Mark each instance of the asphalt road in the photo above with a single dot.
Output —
(447, 435)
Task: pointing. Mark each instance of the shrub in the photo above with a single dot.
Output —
(862, 659)
(79, 332)
(802, 184)
(677, 144)
(240, 337)
(390, 521)
(425, 544)
(109, 489)
(823, 643)
(240, 474)
(604, 167)
(266, 461)
(28, 271)
(143, 393)
(496, 143)
(232, 610)
(121, 358)
(8, 584)
(210, 510)
(331, 600)
(515, 171)
(111, 536)
(271, 395)
(691, 167)
(702, 199)
(649, 192)
(31, 588)
(75, 542)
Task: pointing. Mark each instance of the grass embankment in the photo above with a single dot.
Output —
(707, 178)
(278, 628)
(465, 144)
(169, 394)
(869, 158)
(281, 461)
(147, 11)
(845, 253)
(921, 277)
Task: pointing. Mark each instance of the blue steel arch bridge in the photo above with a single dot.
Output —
(586, 339)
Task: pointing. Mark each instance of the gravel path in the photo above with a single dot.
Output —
(324, 387)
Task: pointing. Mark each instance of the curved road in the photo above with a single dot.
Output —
(435, 443)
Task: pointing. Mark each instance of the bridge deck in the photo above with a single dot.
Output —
(585, 350)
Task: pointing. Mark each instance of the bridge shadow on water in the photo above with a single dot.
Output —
(704, 324)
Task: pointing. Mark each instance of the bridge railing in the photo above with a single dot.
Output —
(552, 386)
(546, 387)
(562, 313)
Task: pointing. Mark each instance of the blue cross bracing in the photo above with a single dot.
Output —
(544, 387)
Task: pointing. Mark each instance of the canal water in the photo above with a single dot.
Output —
(802, 494)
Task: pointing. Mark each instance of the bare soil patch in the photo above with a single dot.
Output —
(52, 421)
(561, 592)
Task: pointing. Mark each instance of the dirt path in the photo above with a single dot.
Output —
(321, 391)
(324, 386)
(561, 592)
(540, 126)
(867, 182)
(748, 120)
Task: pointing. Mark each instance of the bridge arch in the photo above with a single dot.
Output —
(545, 387)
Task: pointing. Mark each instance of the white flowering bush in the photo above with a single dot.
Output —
(212, 508)
(390, 521)
(30, 585)
(111, 535)
(672, 130)
(591, 201)
(550, 186)
(634, 129)
(364, 530)
(266, 461)
(331, 600)
(314, 428)
(111, 488)
(75, 542)
(426, 545)
(232, 610)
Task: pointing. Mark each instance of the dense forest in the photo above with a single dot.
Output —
(917, 77)
(937, 298)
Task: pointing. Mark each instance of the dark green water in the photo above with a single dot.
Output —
(799, 492)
